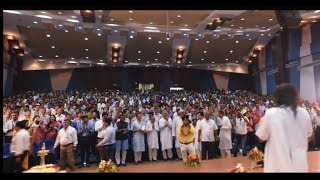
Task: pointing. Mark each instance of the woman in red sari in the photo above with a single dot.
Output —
(52, 128)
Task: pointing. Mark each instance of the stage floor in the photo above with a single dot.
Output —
(207, 166)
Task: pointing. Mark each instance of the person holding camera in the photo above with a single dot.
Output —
(68, 141)
(240, 126)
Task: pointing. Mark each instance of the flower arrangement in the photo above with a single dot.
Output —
(238, 169)
(107, 167)
(192, 160)
(255, 154)
(48, 168)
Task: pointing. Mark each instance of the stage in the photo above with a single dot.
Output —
(207, 166)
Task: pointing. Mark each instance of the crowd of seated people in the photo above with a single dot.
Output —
(93, 112)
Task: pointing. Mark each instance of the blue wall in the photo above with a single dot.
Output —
(166, 81)
(238, 81)
(78, 79)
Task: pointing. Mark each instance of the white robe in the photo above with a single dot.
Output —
(138, 137)
(152, 135)
(287, 139)
(165, 133)
(177, 121)
(225, 133)
(197, 145)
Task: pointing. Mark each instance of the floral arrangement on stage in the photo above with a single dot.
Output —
(48, 168)
(107, 167)
(192, 160)
(255, 154)
(238, 169)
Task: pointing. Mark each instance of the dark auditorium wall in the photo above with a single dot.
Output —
(303, 50)
(128, 78)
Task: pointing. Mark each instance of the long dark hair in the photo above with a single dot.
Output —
(287, 95)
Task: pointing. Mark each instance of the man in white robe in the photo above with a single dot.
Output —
(152, 129)
(177, 121)
(225, 144)
(287, 139)
(165, 125)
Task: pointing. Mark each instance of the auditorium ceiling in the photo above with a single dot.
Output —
(145, 37)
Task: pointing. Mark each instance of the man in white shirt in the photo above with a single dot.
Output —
(100, 130)
(68, 141)
(20, 146)
(165, 125)
(197, 144)
(8, 127)
(316, 119)
(225, 144)
(109, 140)
(207, 136)
(241, 135)
(177, 121)
(60, 117)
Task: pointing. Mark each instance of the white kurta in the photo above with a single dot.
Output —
(287, 139)
(225, 133)
(165, 133)
(152, 135)
(138, 137)
(197, 145)
(177, 121)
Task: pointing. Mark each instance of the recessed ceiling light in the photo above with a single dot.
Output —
(231, 25)
(186, 25)
(189, 62)
(158, 52)
(99, 34)
(65, 62)
(113, 65)
(249, 39)
(196, 39)
(51, 62)
(139, 51)
(184, 34)
(231, 51)
(263, 27)
(35, 22)
(150, 23)
(262, 34)
(160, 42)
(130, 11)
(131, 36)
(184, 29)
(241, 27)
(126, 61)
(269, 34)
(236, 61)
(229, 35)
(167, 62)
(149, 37)
(28, 26)
(248, 35)
(43, 16)
(53, 47)
(12, 12)
(100, 60)
(130, 19)
(204, 51)
(237, 41)
(90, 64)
(270, 19)
(66, 31)
(208, 66)
(242, 19)
(98, 29)
(147, 61)
(111, 19)
(223, 39)
(40, 56)
(202, 59)
(73, 20)
(72, 58)
(48, 35)
(227, 59)
(57, 56)
(218, 66)
(115, 30)
(87, 57)
(208, 42)
(74, 17)
(86, 39)
(212, 62)
(257, 25)
(59, 12)
(178, 16)
(60, 25)
(156, 59)
(139, 59)
(157, 66)
(171, 22)
(87, 49)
